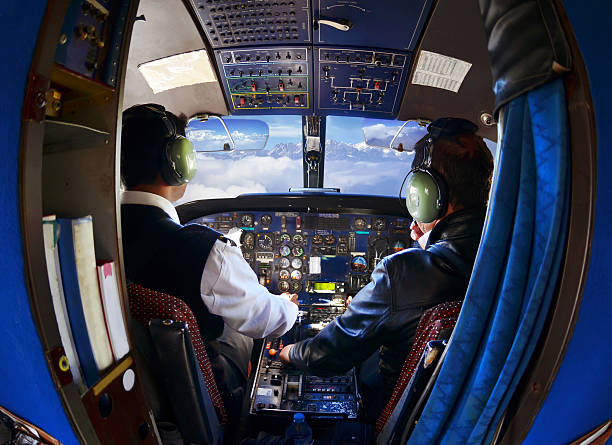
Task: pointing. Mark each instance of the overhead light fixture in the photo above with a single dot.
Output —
(178, 71)
(439, 71)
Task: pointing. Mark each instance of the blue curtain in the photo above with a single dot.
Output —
(514, 275)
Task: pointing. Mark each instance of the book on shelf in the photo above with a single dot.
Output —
(113, 312)
(50, 237)
(82, 296)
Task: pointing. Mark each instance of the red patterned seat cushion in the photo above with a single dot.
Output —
(434, 320)
(147, 304)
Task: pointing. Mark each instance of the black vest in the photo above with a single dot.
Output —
(167, 257)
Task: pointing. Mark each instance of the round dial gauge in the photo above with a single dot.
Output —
(283, 274)
(379, 224)
(246, 220)
(247, 239)
(265, 220)
(317, 239)
(360, 223)
(284, 263)
(296, 275)
(298, 251)
(330, 239)
(296, 263)
(264, 241)
(359, 264)
(398, 246)
(298, 239)
(296, 287)
(284, 250)
(283, 286)
(285, 238)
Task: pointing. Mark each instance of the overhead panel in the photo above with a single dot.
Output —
(267, 80)
(358, 82)
(346, 57)
(230, 23)
(389, 24)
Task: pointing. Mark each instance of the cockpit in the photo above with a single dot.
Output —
(304, 116)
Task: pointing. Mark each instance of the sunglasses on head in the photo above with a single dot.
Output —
(450, 126)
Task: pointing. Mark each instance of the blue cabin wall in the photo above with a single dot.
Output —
(581, 395)
(26, 387)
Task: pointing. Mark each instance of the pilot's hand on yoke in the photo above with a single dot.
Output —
(292, 297)
(284, 354)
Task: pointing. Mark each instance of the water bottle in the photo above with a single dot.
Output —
(299, 433)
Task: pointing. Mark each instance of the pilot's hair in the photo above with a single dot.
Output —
(465, 163)
(143, 140)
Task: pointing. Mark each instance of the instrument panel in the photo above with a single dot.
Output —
(325, 258)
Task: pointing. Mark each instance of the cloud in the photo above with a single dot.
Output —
(206, 135)
(369, 178)
(225, 178)
(380, 135)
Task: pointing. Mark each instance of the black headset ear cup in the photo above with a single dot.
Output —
(167, 170)
(442, 191)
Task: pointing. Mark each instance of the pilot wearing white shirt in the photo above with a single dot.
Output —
(192, 262)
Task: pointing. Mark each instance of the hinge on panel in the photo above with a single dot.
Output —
(36, 98)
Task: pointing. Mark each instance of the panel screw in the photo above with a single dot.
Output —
(487, 119)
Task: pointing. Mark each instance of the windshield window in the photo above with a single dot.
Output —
(356, 167)
(355, 161)
(273, 170)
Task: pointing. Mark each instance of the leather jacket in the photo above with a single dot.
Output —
(385, 313)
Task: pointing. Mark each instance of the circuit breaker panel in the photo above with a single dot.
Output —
(231, 23)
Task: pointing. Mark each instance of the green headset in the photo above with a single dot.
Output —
(426, 189)
(178, 163)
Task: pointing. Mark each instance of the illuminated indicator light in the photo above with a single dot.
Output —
(297, 100)
(360, 232)
(377, 85)
(242, 101)
(298, 222)
(324, 286)
(281, 85)
(268, 345)
(272, 351)
(253, 87)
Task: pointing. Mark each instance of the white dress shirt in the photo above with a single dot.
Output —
(229, 287)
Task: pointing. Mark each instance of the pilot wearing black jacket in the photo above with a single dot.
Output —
(383, 316)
